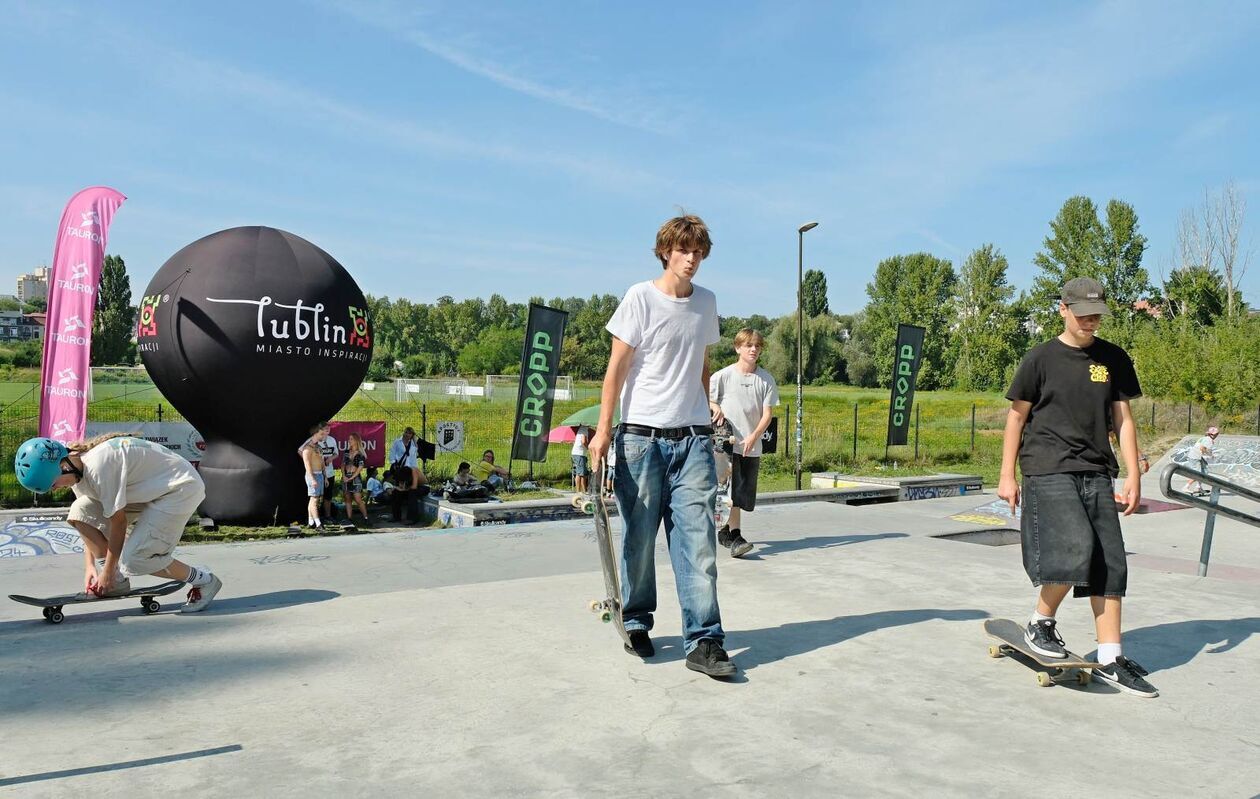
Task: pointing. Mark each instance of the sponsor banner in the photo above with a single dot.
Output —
(179, 437)
(450, 437)
(373, 435)
(78, 255)
(535, 400)
(905, 369)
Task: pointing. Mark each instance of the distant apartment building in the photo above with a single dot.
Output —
(17, 326)
(33, 286)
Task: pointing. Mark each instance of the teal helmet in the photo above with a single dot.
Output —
(38, 463)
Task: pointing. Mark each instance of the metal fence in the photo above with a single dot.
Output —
(838, 432)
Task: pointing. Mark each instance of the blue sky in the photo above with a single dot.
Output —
(534, 148)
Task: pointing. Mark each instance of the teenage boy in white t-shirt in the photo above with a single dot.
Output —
(665, 473)
(743, 394)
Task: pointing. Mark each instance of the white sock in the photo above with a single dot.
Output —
(198, 576)
(1038, 617)
(1107, 653)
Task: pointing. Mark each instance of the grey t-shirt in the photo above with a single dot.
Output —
(743, 398)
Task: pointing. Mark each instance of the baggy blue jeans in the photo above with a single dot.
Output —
(673, 481)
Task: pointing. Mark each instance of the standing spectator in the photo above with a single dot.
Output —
(328, 449)
(1203, 452)
(580, 470)
(313, 465)
(352, 465)
(408, 479)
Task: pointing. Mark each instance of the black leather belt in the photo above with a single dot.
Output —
(670, 433)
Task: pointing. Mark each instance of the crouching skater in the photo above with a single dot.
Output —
(121, 480)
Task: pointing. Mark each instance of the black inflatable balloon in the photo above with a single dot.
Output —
(254, 334)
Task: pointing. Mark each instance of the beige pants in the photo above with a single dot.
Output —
(155, 529)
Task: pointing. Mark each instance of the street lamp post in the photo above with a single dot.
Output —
(800, 346)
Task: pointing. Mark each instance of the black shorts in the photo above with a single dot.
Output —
(1070, 533)
(744, 481)
(330, 485)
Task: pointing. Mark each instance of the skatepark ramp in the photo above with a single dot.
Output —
(1212, 504)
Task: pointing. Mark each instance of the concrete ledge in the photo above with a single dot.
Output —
(931, 486)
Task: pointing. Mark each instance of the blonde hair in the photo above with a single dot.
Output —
(80, 447)
(687, 232)
(748, 335)
(355, 437)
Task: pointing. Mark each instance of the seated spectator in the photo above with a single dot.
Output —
(376, 490)
(464, 477)
(493, 477)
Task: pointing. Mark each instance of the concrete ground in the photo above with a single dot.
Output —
(450, 663)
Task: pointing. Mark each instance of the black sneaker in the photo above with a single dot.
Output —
(710, 658)
(640, 644)
(724, 536)
(1045, 639)
(739, 547)
(1127, 676)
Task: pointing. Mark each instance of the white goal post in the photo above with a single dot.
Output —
(500, 387)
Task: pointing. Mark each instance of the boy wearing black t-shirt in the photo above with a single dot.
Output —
(1068, 394)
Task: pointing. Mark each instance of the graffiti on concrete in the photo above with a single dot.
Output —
(1235, 458)
(271, 560)
(39, 534)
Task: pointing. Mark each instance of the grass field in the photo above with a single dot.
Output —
(948, 441)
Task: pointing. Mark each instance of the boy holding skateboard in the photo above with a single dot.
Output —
(1067, 393)
(659, 372)
(120, 480)
(743, 394)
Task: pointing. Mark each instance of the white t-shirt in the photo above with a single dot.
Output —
(579, 442)
(664, 386)
(374, 487)
(131, 471)
(328, 448)
(743, 398)
(1203, 448)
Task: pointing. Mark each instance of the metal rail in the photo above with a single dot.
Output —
(1211, 505)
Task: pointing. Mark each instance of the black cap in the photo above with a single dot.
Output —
(1084, 296)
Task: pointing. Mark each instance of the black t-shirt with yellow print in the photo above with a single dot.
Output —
(1071, 390)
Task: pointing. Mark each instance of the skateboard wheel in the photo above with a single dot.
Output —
(995, 651)
(1044, 680)
(151, 606)
(605, 617)
(55, 617)
(47, 612)
(1083, 677)
(595, 605)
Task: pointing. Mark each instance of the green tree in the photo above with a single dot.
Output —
(115, 316)
(988, 333)
(10, 304)
(1073, 249)
(1195, 292)
(814, 293)
(37, 305)
(1080, 245)
(822, 357)
(859, 353)
(914, 289)
(496, 351)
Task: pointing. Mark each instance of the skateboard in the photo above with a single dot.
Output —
(609, 608)
(52, 605)
(1052, 670)
(302, 531)
(724, 441)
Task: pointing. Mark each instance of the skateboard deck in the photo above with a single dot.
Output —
(1051, 671)
(53, 605)
(608, 608)
(301, 531)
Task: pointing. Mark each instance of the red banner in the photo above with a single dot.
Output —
(373, 435)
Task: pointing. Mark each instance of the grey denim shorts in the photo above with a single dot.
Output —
(1071, 533)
